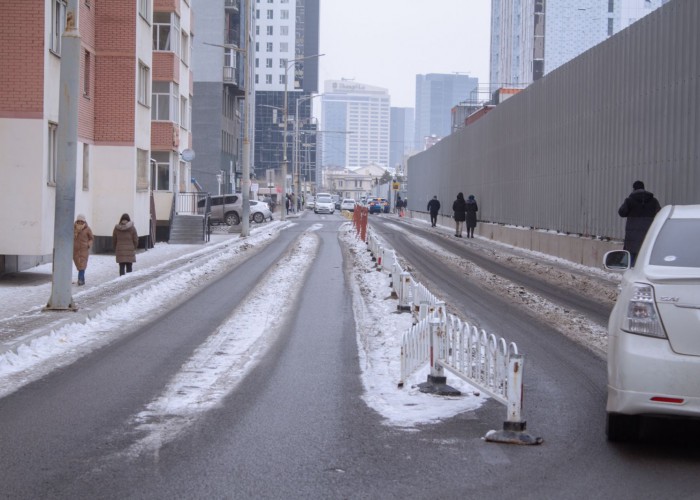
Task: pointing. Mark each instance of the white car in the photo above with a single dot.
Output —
(654, 328)
(347, 204)
(260, 211)
(324, 204)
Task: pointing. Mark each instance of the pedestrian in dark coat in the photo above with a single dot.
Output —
(433, 208)
(640, 208)
(459, 207)
(82, 242)
(472, 209)
(125, 241)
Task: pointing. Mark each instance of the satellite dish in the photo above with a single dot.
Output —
(187, 154)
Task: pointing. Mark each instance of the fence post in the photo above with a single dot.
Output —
(514, 426)
(404, 292)
(437, 373)
(437, 382)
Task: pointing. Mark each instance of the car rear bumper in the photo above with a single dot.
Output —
(643, 368)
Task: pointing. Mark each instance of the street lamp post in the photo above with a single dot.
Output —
(296, 171)
(289, 64)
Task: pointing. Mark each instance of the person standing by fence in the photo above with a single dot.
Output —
(433, 208)
(640, 208)
(472, 209)
(459, 207)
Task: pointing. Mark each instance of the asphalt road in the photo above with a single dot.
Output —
(297, 427)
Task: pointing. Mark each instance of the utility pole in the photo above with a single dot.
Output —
(67, 152)
(247, 102)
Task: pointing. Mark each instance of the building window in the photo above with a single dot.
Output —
(145, 9)
(166, 102)
(160, 171)
(52, 159)
(270, 14)
(58, 24)
(611, 5)
(166, 32)
(269, 47)
(284, 14)
(282, 80)
(257, 13)
(144, 82)
(86, 167)
(268, 62)
(284, 30)
(230, 58)
(270, 30)
(268, 79)
(142, 161)
(87, 71)
(283, 63)
(184, 116)
(185, 48)
(257, 46)
(257, 30)
(257, 78)
(257, 62)
(284, 47)
(610, 26)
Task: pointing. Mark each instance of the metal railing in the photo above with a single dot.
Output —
(485, 361)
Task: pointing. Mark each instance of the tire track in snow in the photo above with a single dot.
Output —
(217, 367)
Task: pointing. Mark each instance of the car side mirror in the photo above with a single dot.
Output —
(617, 260)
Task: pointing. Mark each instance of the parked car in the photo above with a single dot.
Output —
(260, 211)
(310, 202)
(324, 204)
(654, 327)
(348, 204)
(225, 209)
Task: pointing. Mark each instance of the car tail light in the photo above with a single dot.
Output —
(642, 317)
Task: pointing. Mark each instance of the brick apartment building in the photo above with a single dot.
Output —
(133, 117)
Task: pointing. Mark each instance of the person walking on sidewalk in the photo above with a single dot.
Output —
(459, 207)
(433, 208)
(82, 242)
(640, 208)
(125, 241)
(472, 209)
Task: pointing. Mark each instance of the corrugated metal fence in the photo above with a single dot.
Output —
(562, 154)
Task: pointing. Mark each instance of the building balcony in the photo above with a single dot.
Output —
(234, 5)
(230, 75)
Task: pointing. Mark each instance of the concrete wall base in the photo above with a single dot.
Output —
(584, 250)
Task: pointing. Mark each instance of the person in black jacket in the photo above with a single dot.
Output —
(640, 208)
(459, 207)
(433, 208)
(472, 209)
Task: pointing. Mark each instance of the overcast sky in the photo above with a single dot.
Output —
(386, 43)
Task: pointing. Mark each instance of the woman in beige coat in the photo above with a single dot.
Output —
(82, 242)
(125, 241)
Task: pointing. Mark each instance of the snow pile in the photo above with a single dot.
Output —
(380, 327)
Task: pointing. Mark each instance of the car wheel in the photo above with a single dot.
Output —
(621, 428)
(232, 219)
(258, 218)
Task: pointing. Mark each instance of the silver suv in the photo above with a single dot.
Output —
(224, 209)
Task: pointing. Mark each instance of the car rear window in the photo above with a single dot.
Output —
(678, 244)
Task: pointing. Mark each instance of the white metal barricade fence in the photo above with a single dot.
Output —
(483, 360)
